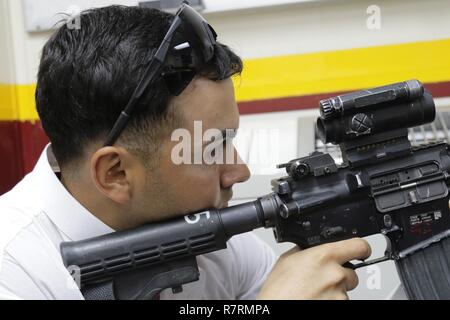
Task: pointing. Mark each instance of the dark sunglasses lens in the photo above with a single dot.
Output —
(200, 27)
(178, 81)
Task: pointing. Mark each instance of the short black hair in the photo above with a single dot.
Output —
(87, 75)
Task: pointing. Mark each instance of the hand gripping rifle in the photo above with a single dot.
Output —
(383, 186)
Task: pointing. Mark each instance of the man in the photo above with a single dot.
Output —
(83, 187)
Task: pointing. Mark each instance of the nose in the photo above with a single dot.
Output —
(234, 173)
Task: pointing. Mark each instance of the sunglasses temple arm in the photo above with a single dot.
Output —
(153, 69)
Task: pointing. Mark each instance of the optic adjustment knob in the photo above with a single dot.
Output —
(326, 109)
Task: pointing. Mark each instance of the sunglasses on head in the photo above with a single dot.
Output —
(177, 63)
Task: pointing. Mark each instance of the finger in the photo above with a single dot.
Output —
(338, 294)
(351, 279)
(352, 249)
(342, 296)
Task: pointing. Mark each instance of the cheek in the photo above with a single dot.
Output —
(198, 187)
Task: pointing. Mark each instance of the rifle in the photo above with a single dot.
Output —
(384, 185)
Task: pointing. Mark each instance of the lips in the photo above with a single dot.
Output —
(227, 195)
(225, 205)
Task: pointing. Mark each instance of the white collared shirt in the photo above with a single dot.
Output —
(39, 213)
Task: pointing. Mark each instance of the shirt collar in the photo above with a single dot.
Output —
(74, 220)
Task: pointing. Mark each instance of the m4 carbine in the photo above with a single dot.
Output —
(383, 186)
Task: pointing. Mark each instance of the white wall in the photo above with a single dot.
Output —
(330, 25)
(307, 26)
(6, 54)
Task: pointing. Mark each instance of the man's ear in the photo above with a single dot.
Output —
(108, 168)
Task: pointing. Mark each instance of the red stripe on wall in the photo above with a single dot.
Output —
(441, 89)
(11, 168)
(21, 143)
(33, 140)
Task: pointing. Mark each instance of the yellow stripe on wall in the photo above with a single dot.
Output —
(17, 102)
(299, 75)
(8, 102)
(343, 70)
